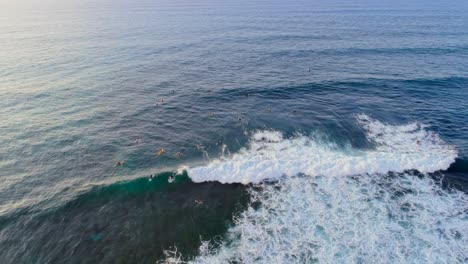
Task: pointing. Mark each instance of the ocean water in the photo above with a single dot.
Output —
(311, 131)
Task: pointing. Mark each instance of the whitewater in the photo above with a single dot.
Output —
(270, 155)
(315, 202)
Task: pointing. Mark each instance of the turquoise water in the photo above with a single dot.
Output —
(342, 111)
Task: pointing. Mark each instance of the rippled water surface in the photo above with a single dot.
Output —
(289, 121)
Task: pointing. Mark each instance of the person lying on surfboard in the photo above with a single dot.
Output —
(119, 163)
(160, 152)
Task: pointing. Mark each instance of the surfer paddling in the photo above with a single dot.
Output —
(160, 152)
(119, 163)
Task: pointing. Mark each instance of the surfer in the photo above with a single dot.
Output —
(418, 142)
(119, 163)
(160, 152)
(171, 179)
(199, 202)
(151, 177)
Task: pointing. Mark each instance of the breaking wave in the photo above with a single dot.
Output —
(383, 211)
(270, 155)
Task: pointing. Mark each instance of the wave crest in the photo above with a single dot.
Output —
(270, 155)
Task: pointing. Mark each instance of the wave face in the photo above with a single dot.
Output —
(129, 215)
(359, 205)
(270, 155)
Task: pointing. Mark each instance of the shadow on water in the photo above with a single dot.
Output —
(126, 222)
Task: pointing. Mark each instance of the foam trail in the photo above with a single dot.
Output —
(270, 155)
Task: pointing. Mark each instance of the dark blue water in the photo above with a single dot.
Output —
(84, 84)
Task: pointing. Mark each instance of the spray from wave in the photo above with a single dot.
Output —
(342, 205)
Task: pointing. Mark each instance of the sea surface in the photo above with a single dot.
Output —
(296, 131)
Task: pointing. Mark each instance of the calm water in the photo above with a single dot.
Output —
(329, 131)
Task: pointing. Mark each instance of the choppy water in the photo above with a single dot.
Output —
(331, 131)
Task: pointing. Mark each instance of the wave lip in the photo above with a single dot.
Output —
(270, 155)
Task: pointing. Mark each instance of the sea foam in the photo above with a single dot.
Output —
(398, 218)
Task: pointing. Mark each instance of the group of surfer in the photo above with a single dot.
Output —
(160, 152)
(171, 178)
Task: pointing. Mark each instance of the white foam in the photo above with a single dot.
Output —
(270, 155)
(364, 219)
